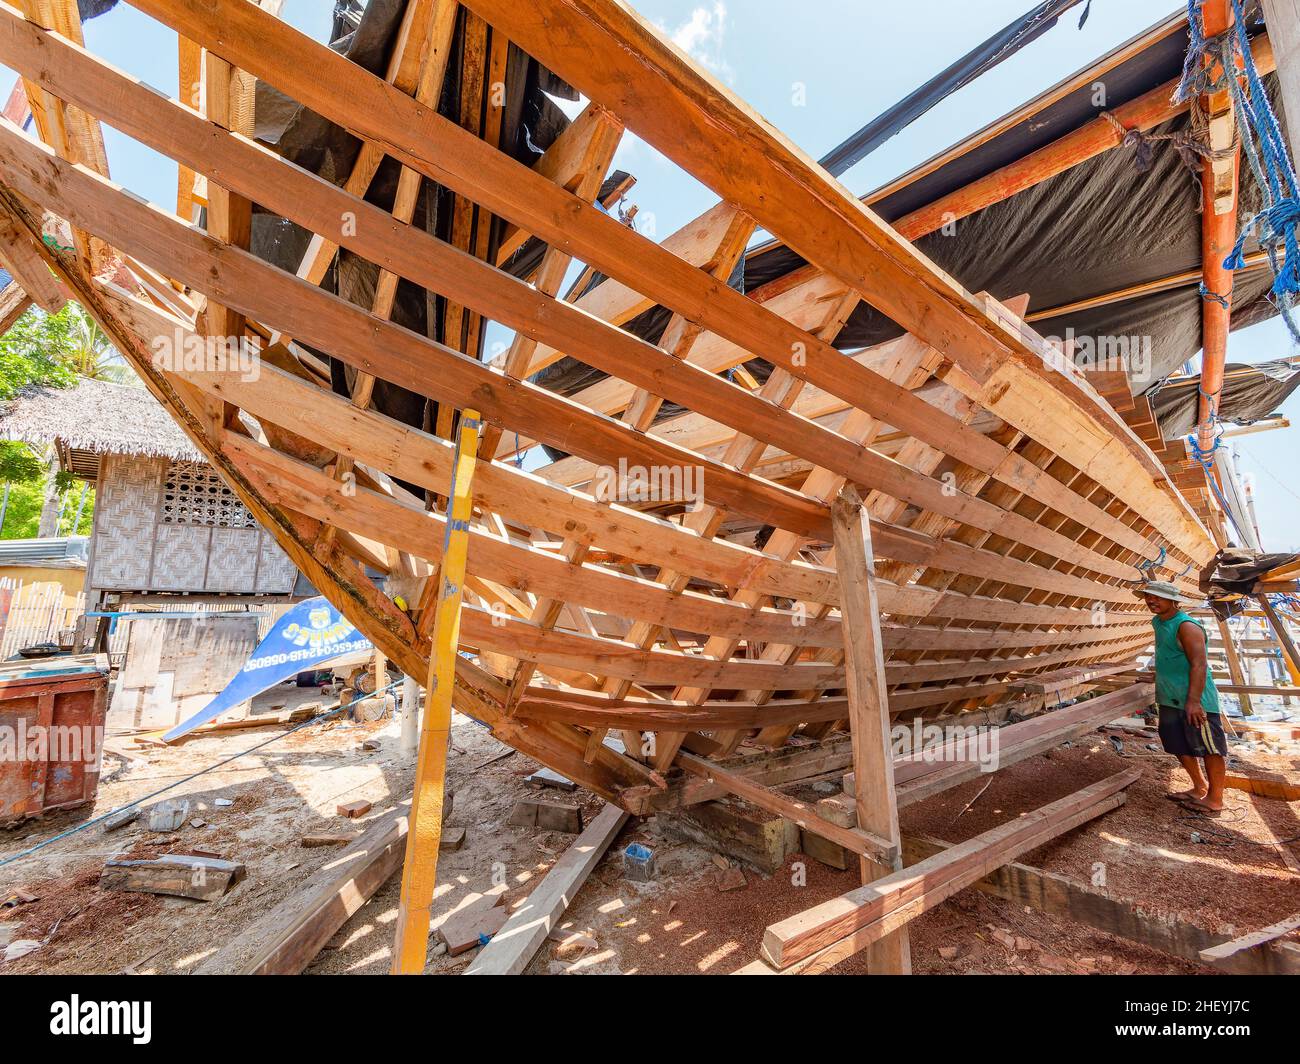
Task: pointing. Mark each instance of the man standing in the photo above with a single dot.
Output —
(1190, 725)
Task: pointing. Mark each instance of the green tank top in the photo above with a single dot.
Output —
(1174, 671)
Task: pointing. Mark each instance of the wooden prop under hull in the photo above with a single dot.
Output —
(1009, 507)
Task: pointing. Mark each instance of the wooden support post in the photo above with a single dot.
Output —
(1289, 653)
(1234, 665)
(1218, 233)
(873, 763)
(419, 873)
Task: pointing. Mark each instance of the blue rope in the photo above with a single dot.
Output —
(1144, 567)
(1196, 79)
(1214, 297)
(1206, 458)
(1275, 225)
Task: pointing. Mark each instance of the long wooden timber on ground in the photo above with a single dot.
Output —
(1009, 506)
(828, 933)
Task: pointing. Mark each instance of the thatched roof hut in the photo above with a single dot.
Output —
(94, 418)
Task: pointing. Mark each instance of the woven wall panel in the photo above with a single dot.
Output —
(233, 562)
(275, 571)
(181, 557)
(126, 514)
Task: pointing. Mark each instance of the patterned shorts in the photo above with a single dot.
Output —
(1183, 739)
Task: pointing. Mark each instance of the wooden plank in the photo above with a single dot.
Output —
(13, 305)
(27, 267)
(1228, 950)
(1067, 899)
(286, 938)
(868, 713)
(865, 911)
(1024, 740)
(514, 945)
(1290, 654)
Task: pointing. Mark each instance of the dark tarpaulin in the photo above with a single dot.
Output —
(1235, 571)
(1250, 393)
(366, 34)
(1096, 228)
(89, 9)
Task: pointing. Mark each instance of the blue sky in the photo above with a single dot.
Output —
(818, 70)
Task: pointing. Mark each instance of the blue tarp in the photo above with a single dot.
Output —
(310, 635)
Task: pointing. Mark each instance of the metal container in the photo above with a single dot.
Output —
(51, 733)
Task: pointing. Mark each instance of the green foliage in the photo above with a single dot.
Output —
(51, 350)
(37, 350)
(55, 349)
(23, 514)
(19, 463)
(68, 512)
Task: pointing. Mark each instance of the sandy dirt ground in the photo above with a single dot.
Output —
(1229, 875)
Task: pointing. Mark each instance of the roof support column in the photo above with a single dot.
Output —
(1218, 234)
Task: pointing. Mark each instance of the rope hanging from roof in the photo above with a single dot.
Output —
(1274, 227)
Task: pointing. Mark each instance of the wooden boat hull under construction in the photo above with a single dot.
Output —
(1007, 506)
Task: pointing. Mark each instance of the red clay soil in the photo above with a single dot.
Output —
(1233, 877)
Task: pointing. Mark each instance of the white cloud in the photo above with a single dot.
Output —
(702, 35)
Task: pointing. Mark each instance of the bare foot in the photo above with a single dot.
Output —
(1186, 796)
(1200, 805)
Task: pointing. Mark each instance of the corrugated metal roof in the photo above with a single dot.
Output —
(68, 550)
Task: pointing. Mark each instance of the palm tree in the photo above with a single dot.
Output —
(91, 352)
(88, 352)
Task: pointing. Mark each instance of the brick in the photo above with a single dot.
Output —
(352, 810)
(548, 816)
(452, 840)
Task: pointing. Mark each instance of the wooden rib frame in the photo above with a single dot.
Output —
(1009, 505)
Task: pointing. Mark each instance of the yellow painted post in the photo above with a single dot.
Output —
(420, 870)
